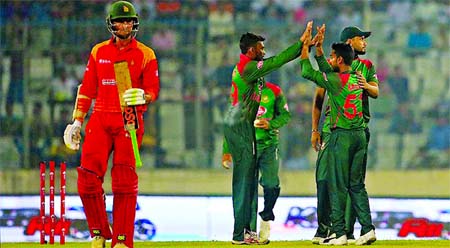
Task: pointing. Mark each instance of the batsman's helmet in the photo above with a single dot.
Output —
(122, 10)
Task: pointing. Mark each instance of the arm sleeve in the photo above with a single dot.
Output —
(257, 69)
(87, 91)
(372, 75)
(225, 148)
(323, 64)
(282, 114)
(151, 84)
(329, 81)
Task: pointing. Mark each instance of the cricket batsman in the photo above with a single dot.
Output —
(116, 90)
(239, 145)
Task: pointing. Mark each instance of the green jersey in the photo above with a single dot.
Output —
(344, 93)
(247, 84)
(367, 69)
(273, 108)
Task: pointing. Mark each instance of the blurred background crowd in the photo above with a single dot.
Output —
(44, 47)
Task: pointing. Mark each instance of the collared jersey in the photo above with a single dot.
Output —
(344, 93)
(99, 80)
(248, 81)
(247, 84)
(273, 108)
(367, 69)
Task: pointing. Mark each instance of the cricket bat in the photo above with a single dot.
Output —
(130, 118)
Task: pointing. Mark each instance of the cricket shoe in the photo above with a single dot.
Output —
(120, 245)
(251, 238)
(327, 239)
(342, 240)
(264, 232)
(238, 242)
(98, 242)
(317, 240)
(367, 238)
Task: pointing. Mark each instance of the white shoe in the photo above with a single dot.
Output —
(317, 240)
(351, 241)
(327, 239)
(98, 242)
(367, 238)
(264, 232)
(342, 240)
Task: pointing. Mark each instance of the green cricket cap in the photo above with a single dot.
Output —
(351, 32)
(122, 9)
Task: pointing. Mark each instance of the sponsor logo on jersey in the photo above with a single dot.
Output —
(261, 111)
(286, 107)
(104, 61)
(108, 81)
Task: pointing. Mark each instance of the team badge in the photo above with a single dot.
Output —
(125, 9)
(265, 99)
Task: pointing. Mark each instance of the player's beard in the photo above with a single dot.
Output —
(123, 37)
(360, 52)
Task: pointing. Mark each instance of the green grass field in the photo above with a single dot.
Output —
(273, 244)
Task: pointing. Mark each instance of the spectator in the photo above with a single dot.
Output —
(436, 152)
(164, 39)
(220, 20)
(40, 135)
(399, 85)
(419, 42)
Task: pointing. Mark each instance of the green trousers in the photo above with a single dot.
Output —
(267, 162)
(323, 201)
(350, 214)
(240, 138)
(346, 176)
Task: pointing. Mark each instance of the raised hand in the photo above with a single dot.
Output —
(306, 36)
(319, 37)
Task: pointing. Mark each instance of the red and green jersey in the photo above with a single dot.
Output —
(273, 108)
(248, 82)
(367, 69)
(344, 93)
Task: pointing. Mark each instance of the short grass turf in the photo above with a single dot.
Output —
(273, 244)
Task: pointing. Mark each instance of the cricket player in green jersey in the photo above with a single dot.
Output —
(273, 113)
(356, 38)
(347, 141)
(239, 131)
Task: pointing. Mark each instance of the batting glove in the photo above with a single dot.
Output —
(134, 96)
(72, 135)
(227, 161)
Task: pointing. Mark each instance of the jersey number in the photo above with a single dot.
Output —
(350, 110)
